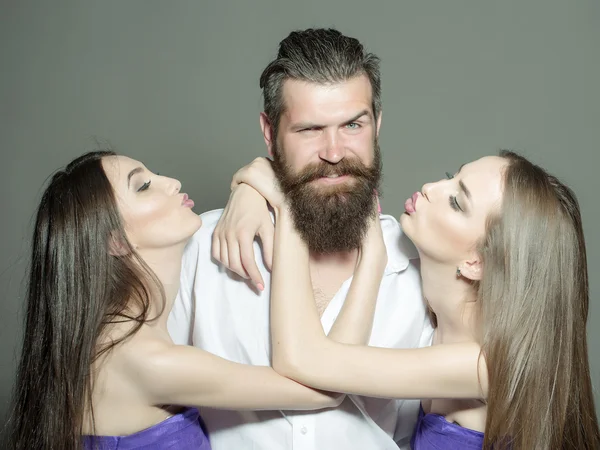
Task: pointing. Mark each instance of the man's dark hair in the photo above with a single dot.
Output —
(318, 56)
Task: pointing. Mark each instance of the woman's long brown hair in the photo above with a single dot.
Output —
(534, 305)
(75, 289)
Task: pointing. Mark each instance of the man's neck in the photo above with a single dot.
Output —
(332, 260)
(328, 272)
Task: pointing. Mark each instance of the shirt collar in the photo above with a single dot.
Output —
(400, 249)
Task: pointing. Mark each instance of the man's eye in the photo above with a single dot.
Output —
(353, 126)
(449, 175)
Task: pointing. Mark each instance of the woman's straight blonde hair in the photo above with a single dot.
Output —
(533, 300)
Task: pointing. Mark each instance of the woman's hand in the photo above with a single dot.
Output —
(245, 216)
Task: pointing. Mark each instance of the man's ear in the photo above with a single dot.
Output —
(267, 132)
(472, 269)
(378, 125)
(117, 246)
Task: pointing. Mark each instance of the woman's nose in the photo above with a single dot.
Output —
(426, 190)
(172, 185)
(177, 185)
(429, 190)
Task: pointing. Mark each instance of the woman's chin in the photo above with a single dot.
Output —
(404, 221)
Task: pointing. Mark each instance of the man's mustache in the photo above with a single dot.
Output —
(324, 169)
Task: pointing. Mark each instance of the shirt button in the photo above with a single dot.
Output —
(303, 430)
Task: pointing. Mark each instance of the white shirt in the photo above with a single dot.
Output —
(217, 311)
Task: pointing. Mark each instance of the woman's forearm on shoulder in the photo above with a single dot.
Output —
(295, 323)
(297, 332)
(355, 320)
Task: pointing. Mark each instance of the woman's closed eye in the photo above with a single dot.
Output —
(452, 199)
(454, 203)
(145, 186)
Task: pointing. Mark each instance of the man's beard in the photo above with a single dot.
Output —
(331, 218)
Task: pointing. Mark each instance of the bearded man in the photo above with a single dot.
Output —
(321, 121)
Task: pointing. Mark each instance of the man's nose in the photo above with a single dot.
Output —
(333, 150)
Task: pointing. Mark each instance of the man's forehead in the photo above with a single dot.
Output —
(303, 100)
(356, 86)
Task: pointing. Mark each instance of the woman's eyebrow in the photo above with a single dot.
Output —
(465, 189)
(132, 173)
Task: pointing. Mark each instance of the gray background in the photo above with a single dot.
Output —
(175, 84)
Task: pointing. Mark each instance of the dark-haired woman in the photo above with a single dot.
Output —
(98, 368)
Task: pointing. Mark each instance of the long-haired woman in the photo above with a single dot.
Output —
(504, 274)
(98, 368)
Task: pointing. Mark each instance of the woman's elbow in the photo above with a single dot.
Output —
(300, 363)
(294, 366)
(333, 399)
(284, 365)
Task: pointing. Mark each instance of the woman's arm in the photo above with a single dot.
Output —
(244, 217)
(302, 352)
(170, 374)
(354, 323)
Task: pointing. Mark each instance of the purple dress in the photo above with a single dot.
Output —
(434, 432)
(182, 431)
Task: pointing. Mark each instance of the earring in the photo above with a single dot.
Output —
(458, 274)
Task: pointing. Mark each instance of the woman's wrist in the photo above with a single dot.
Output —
(282, 212)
